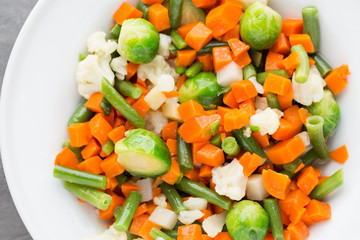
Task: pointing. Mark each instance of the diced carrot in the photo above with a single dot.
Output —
(66, 158)
(292, 26)
(145, 91)
(286, 151)
(142, 209)
(169, 131)
(204, 236)
(173, 175)
(130, 100)
(285, 218)
(286, 100)
(296, 215)
(128, 126)
(118, 122)
(222, 236)
(298, 231)
(141, 106)
(304, 40)
(243, 60)
(100, 128)
(103, 154)
(131, 69)
(198, 36)
(277, 184)
(159, 16)
(229, 100)
(189, 232)
(262, 140)
(91, 165)
(248, 106)
(193, 175)
(221, 111)
(290, 125)
(185, 58)
(318, 211)
(204, 3)
(232, 33)
(266, 166)
(243, 90)
(93, 148)
(205, 171)
(293, 185)
(281, 45)
(127, 187)
(150, 2)
(94, 102)
(109, 213)
(290, 63)
(304, 114)
(183, 30)
(211, 155)
(323, 178)
(111, 167)
(307, 180)
(235, 119)
(311, 61)
(190, 109)
(269, 236)
(171, 144)
(239, 49)
(171, 94)
(277, 84)
(340, 155)
(221, 57)
(137, 223)
(336, 80)
(299, 168)
(79, 134)
(206, 61)
(111, 183)
(250, 162)
(195, 148)
(117, 134)
(287, 235)
(272, 60)
(156, 193)
(126, 11)
(296, 199)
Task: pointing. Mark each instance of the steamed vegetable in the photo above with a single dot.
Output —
(314, 126)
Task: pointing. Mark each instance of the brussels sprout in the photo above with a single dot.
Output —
(328, 109)
(139, 41)
(247, 220)
(143, 154)
(260, 26)
(203, 88)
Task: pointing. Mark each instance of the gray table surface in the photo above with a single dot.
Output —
(13, 14)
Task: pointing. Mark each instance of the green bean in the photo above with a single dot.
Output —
(256, 57)
(230, 146)
(322, 65)
(249, 71)
(117, 211)
(216, 140)
(177, 40)
(91, 195)
(272, 208)
(131, 236)
(197, 190)
(248, 143)
(143, 8)
(328, 185)
(184, 155)
(291, 167)
(156, 233)
(81, 114)
(312, 25)
(173, 196)
(80, 177)
(180, 70)
(108, 147)
(210, 45)
(213, 128)
(314, 125)
(180, 177)
(173, 49)
(127, 212)
(128, 89)
(194, 70)
(82, 56)
(121, 179)
(261, 77)
(175, 13)
(75, 150)
(309, 157)
(115, 31)
(120, 104)
(106, 106)
(254, 128)
(302, 70)
(272, 100)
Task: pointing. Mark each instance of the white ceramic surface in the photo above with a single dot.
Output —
(39, 95)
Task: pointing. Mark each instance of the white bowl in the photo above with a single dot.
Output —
(39, 95)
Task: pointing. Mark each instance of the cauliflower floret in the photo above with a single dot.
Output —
(255, 189)
(110, 234)
(213, 225)
(247, 132)
(259, 88)
(261, 103)
(229, 74)
(97, 44)
(188, 217)
(267, 120)
(310, 91)
(154, 69)
(118, 65)
(145, 189)
(155, 98)
(163, 217)
(195, 203)
(230, 180)
(166, 83)
(160, 200)
(155, 121)
(165, 42)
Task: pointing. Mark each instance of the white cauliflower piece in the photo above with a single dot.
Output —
(146, 189)
(259, 88)
(267, 120)
(163, 217)
(166, 83)
(160, 200)
(188, 217)
(247, 132)
(310, 91)
(110, 234)
(229, 74)
(98, 44)
(213, 225)
(165, 42)
(154, 69)
(261, 103)
(230, 180)
(118, 65)
(155, 98)
(155, 121)
(255, 189)
(194, 203)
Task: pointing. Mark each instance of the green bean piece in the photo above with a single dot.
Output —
(156, 233)
(322, 65)
(178, 40)
(272, 208)
(128, 89)
(328, 185)
(127, 212)
(311, 25)
(180, 177)
(309, 157)
(75, 150)
(194, 70)
(314, 126)
(249, 71)
(115, 31)
(81, 114)
(82, 56)
(175, 13)
(302, 70)
(290, 168)
(254, 128)
(131, 236)
(106, 106)
(272, 100)
(121, 179)
(230, 146)
(180, 70)
(197, 190)
(184, 155)
(91, 195)
(120, 104)
(210, 45)
(173, 49)
(143, 8)
(117, 211)
(261, 77)
(223, 91)
(256, 57)
(80, 177)
(108, 147)
(216, 140)
(248, 143)
(173, 196)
